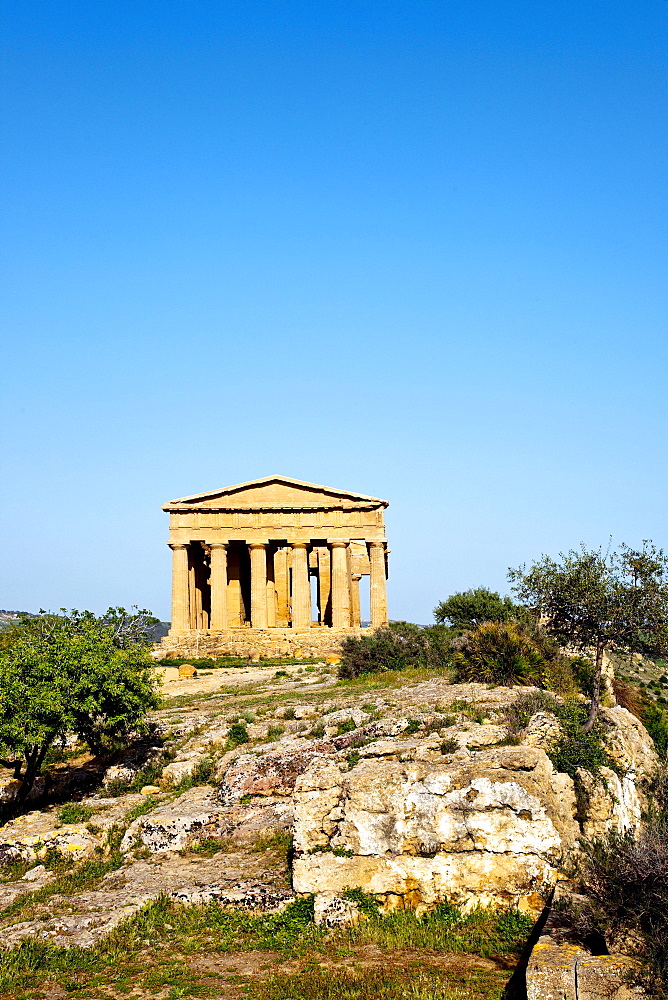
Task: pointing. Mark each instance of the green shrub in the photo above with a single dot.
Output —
(347, 726)
(204, 771)
(365, 903)
(627, 877)
(237, 734)
(116, 787)
(574, 749)
(149, 774)
(470, 608)
(74, 812)
(449, 746)
(394, 647)
(655, 720)
(577, 749)
(518, 714)
(498, 653)
(274, 732)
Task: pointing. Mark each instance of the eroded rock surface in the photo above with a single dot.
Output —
(238, 881)
(416, 794)
(415, 832)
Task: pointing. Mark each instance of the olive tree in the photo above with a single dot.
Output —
(470, 608)
(72, 674)
(592, 599)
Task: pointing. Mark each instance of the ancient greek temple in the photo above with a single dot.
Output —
(276, 557)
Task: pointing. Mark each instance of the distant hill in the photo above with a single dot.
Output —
(9, 618)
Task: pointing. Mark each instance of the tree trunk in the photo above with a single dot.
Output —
(34, 763)
(596, 695)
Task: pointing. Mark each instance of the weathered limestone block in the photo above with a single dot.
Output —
(551, 971)
(334, 911)
(609, 803)
(628, 742)
(184, 767)
(334, 719)
(235, 880)
(487, 830)
(71, 840)
(605, 977)
(198, 814)
(36, 878)
(542, 730)
(272, 773)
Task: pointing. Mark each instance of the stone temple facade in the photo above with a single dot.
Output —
(272, 566)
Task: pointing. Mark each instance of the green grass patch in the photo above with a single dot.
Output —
(74, 812)
(415, 982)
(150, 951)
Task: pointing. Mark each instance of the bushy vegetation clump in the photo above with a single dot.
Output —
(73, 673)
(518, 652)
(498, 653)
(396, 646)
(627, 878)
(574, 748)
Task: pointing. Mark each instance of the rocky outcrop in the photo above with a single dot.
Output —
(238, 881)
(570, 960)
(199, 815)
(418, 796)
(416, 832)
(466, 818)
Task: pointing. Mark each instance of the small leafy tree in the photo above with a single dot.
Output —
(470, 608)
(592, 599)
(72, 674)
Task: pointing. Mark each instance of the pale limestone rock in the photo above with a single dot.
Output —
(272, 773)
(610, 803)
(550, 973)
(334, 911)
(543, 730)
(490, 829)
(628, 742)
(606, 977)
(345, 715)
(185, 767)
(238, 881)
(36, 878)
(198, 814)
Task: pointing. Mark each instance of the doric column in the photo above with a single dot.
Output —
(281, 582)
(340, 592)
(180, 586)
(258, 560)
(324, 585)
(271, 591)
(378, 586)
(218, 581)
(355, 614)
(301, 589)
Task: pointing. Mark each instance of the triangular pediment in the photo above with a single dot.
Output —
(273, 493)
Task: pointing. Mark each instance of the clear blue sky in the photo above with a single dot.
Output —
(415, 249)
